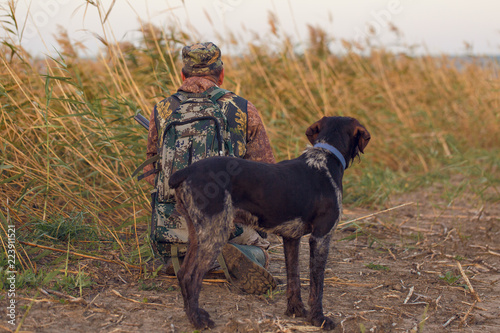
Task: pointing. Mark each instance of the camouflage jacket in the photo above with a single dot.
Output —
(257, 148)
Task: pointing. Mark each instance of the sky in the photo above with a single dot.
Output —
(432, 26)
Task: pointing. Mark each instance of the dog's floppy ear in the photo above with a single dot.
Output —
(313, 130)
(362, 135)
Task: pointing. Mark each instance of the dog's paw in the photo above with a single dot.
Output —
(201, 319)
(323, 322)
(296, 310)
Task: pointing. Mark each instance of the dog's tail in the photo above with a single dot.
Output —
(177, 178)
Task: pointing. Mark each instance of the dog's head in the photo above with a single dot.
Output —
(344, 133)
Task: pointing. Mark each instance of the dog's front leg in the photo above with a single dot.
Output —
(295, 306)
(319, 247)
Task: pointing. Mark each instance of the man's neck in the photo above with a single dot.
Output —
(197, 84)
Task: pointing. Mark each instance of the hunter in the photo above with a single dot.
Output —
(246, 254)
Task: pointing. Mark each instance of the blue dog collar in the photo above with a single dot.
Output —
(333, 150)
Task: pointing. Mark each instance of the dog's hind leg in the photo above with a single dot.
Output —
(295, 306)
(190, 279)
(319, 247)
(207, 235)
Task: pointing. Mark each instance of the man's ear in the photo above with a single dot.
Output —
(361, 134)
(183, 77)
(221, 78)
(313, 130)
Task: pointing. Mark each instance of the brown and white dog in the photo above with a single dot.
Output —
(291, 199)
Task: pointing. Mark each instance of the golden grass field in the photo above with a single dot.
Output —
(68, 141)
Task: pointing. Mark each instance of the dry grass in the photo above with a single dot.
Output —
(68, 142)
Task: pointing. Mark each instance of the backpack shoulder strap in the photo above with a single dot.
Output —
(214, 93)
(180, 96)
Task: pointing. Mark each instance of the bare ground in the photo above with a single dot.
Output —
(387, 277)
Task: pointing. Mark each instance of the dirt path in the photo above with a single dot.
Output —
(398, 272)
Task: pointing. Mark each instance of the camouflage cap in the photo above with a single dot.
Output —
(201, 58)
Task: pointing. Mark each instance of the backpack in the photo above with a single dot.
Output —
(195, 130)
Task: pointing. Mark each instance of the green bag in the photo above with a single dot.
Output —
(195, 130)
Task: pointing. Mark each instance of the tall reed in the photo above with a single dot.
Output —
(68, 142)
